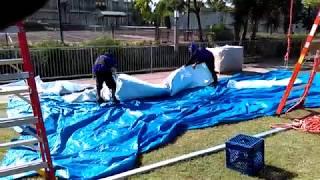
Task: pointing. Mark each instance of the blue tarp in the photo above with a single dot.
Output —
(91, 141)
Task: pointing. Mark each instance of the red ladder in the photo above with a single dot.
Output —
(297, 69)
(36, 121)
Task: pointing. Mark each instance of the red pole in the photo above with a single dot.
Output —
(35, 102)
(287, 56)
(301, 59)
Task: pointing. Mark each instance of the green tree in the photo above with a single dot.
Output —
(241, 14)
(254, 11)
(218, 5)
(193, 6)
(311, 3)
(310, 12)
(153, 12)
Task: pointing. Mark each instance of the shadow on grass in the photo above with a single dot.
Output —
(272, 172)
(299, 115)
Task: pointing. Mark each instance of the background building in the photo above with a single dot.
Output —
(83, 14)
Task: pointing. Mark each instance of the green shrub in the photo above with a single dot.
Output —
(102, 41)
(47, 44)
(217, 28)
(221, 33)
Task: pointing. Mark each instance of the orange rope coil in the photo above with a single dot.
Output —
(310, 124)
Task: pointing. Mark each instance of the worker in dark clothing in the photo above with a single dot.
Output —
(103, 68)
(202, 55)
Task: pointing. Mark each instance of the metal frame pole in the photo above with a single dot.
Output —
(214, 149)
(176, 36)
(60, 21)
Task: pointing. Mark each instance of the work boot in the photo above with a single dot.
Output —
(116, 101)
(214, 84)
(100, 100)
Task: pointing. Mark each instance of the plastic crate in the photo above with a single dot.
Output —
(245, 154)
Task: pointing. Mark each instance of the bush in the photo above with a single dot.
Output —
(47, 44)
(102, 41)
(221, 33)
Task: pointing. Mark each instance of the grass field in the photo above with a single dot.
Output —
(288, 155)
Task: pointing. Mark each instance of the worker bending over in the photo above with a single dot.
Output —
(202, 55)
(103, 69)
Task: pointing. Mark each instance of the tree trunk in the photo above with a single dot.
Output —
(237, 27)
(254, 29)
(157, 33)
(285, 24)
(199, 26)
(156, 30)
(245, 29)
(196, 11)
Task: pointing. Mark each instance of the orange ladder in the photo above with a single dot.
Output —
(297, 69)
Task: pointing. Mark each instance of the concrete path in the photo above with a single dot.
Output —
(158, 77)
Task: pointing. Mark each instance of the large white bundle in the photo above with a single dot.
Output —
(228, 58)
(187, 77)
(252, 84)
(129, 87)
(88, 95)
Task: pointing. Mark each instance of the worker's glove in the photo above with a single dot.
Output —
(113, 70)
(215, 84)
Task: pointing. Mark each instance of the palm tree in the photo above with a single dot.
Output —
(153, 12)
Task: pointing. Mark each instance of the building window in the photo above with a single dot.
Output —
(101, 4)
(75, 4)
(115, 5)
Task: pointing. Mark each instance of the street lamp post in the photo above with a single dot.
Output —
(176, 36)
(60, 21)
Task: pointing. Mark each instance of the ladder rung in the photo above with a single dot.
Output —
(28, 142)
(11, 61)
(31, 166)
(293, 101)
(14, 90)
(11, 122)
(14, 76)
(298, 87)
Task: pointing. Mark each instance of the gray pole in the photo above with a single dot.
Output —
(176, 36)
(60, 21)
(188, 21)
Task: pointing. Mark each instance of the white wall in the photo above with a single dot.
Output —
(207, 19)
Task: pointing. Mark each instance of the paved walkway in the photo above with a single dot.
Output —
(158, 77)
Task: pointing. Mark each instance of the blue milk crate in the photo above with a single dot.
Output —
(245, 154)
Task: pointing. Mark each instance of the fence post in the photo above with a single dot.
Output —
(151, 60)
(92, 60)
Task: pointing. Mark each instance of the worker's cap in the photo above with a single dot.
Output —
(108, 54)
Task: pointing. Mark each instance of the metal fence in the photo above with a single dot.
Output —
(76, 62)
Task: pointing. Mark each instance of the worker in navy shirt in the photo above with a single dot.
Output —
(103, 68)
(202, 55)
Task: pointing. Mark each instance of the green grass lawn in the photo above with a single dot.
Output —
(288, 155)
(291, 154)
(281, 36)
(5, 136)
